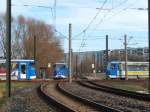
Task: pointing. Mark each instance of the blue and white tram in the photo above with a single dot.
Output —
(116, 69)
(60, 71)
(20, 69)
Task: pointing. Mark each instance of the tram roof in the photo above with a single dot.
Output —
(128, 62)
(61, 63)
(17, 60)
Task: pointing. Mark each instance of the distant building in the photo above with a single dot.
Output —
(100, 56)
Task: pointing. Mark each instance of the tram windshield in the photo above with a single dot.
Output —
(59, 66)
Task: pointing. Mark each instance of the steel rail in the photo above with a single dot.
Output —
(98, 106)
(53, 101)
(121, 92)
(34, 81)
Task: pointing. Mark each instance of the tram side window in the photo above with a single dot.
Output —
(144, 67)
(14, 66)
(2, 68)
(32, 66)
(137, 67)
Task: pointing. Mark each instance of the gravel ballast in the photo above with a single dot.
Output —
(118, 102)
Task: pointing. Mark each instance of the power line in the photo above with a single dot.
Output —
(81, 46)
(89, 39)
(102, 19)
(53, 14)
(93, 19)
(122, 10)
(26, 5)
(99, 39)
(55, 2)
(107, 14)
(39, 6)
(88, 26)
(62, 35)
(117, 13)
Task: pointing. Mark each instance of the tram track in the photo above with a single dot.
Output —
(68, 102)
(96, 105)
(52, 100)
(121, 103)
(121, 92)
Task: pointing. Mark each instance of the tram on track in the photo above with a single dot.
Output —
(20, 69)
(116, 69)
(60, 71)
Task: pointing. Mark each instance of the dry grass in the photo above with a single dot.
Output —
(15, 86)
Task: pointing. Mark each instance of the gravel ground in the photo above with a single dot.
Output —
(118, 102)
(26, 100)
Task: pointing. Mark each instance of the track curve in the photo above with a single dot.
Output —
(135, 95)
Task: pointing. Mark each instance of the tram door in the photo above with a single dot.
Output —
(23, 71)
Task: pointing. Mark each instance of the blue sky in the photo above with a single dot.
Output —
(120, 19)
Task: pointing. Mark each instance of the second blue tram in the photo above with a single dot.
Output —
(60, 70)
(116, 69)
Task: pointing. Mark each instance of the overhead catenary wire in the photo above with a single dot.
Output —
(82, 33)
(54, 7)
(115, 14)
(26, 5)
(88, 26)
(93, 19)
(114, 7)
(102, 38)
(133, 3)
(122, 10)
(61, 34)
(53, 14)
(104, 16)
(99, 10)
(81, 46)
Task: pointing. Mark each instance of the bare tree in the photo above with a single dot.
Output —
(48, 48)
(19, 34)
(3, 34)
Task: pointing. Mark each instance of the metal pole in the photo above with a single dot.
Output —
(8, 49)
(106, 51)
(149, 38)
(81, 67)
(86, 65)
(35, 54)
(76, 64)
(34, 48)
(55, 13)
(126, 58)
(70, 53)
(94, 69)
